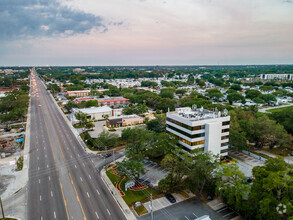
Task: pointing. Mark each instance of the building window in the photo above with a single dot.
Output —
(225, 130)
(224, 144)
(224, 137)
(224, 151)
(191, 143)
(195, 128)
(186, 134)
(225, 123)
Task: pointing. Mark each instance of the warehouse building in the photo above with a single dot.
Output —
(123, 120)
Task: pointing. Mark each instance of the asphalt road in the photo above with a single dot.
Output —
(63, 181)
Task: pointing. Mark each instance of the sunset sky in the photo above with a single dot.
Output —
(145, 32)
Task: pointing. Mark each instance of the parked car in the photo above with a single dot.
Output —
(170, 198)
(107, 155)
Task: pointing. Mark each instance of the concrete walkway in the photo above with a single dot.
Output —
(116, 195)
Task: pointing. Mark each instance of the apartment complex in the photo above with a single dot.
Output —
(200, 129)
(277, 76)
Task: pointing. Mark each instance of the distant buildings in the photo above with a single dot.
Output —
(277, 76)
(78, 93)
(114, 102)
(200, 129)
(4, 90)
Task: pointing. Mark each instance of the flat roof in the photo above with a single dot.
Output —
(93, 110)
(198, 114)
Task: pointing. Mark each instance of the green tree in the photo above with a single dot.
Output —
(167, 93)
(272, 186)
(107, 139)
(201, 167)
(158, 125)
(231, 185)
(214, 93)
(130, 168)
(251, 94)
(82, 117)
(235, 97)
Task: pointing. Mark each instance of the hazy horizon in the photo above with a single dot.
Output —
(145, 32)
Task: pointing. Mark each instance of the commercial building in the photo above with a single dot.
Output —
(96, 113)
(123, 120)
(277, 76)
(78, 93)
(200, 129)
(113, 101)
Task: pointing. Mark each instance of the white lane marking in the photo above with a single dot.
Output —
(67, 148)
(71, 156)
(45, 155)
(38, 168)
(108, 212)
(97, 215)
(90, 177)
(38, 158)
(88, 195)
(49, 178)
(75, 166)
(51, 194)
(37, 149)
(47, 166)
(186, 218)
(83, 164)
(80, 179)
(195, 215)
(77, 154)
(40, 198)
(41, 217)
(54, 214)
(98, 192)
(39, 181)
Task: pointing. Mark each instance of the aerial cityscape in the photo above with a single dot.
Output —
(146, 109)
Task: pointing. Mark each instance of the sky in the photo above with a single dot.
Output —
(145, 32)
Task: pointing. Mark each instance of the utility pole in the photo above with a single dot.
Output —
(2, 209)
(152, 214)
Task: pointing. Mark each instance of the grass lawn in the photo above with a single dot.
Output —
(278, 151)
(141, 210)
(131, 196)
(279, 109)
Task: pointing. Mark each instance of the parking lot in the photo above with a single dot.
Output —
(153, 173)
(245, 162)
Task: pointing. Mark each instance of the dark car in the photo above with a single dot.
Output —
(107, 155)
(170, 198)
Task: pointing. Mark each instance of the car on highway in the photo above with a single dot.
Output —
(170, 198)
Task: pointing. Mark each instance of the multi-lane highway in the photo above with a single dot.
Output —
(63, 182)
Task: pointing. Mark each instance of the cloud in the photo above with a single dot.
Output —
(37, 18)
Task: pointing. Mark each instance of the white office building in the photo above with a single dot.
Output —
(200, 129)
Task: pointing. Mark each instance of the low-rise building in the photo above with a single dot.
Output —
(123, 120)
(113, 101)
(96, 113)
(200, 129)
(78, 93)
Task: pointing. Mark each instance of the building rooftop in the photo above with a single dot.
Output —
(93, 110)
(196, 114)
(124, 116)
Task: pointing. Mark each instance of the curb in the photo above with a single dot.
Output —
(121, 203)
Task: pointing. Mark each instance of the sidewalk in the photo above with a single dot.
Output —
(122, 204)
